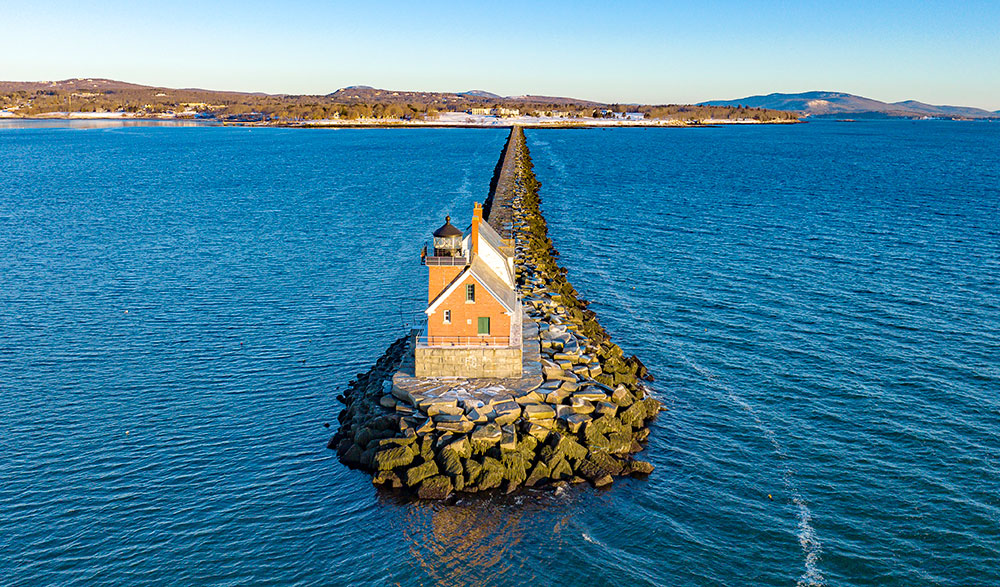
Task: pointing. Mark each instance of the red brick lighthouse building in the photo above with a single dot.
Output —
(473, 312)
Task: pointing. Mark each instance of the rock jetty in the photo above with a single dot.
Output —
(584, 419)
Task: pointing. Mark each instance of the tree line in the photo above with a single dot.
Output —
(209, 104)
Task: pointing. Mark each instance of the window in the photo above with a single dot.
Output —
(447, 316)
(484, 325)
(470, 292)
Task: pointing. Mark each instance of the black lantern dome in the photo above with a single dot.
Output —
(447, 240)
(448, 229)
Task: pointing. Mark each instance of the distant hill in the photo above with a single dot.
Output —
(481, 94)
(72, 85)
(839, 104)
(379, 96)
(106, 86)
(532, 99)
(365, 94)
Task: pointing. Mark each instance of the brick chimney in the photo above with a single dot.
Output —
(477, 217)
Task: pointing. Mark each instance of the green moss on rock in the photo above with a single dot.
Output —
(435, 487)
(391, 458)
(492, 475)
(418, 473)
(450, 462)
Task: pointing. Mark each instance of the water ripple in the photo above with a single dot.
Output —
(179, 308)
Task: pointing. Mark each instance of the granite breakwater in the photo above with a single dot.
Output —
(584, 418)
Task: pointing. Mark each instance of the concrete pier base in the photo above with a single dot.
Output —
(430, 372)
(473, 362)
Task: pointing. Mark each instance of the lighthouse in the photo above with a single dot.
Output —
(474, 316)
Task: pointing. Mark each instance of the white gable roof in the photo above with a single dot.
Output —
(491, 250)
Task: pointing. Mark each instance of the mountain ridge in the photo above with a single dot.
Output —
(824, 104)
(357, 92)
(370, 94)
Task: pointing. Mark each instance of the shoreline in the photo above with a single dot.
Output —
(527, 123)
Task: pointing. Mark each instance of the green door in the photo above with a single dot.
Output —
(484, 325)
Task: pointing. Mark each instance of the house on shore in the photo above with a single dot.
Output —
(474, 315)
(502, 112)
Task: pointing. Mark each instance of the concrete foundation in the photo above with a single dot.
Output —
(476, 362)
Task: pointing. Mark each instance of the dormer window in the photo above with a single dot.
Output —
(470, 292)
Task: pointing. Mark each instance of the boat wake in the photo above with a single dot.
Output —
(808, 541)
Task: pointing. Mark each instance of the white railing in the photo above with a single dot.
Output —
(445, 261)
(464, 341)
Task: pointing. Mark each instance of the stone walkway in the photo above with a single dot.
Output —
(499, 211)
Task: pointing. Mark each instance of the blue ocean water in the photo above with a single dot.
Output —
(819, 303)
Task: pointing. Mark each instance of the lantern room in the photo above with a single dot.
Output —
(448, 240)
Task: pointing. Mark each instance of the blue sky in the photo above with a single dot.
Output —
(650, 52)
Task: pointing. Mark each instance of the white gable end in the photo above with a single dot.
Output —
(489, 251)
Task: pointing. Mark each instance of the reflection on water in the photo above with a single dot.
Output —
(464, 544)
(99, 123)
(477, 540)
